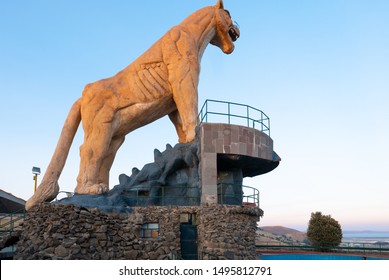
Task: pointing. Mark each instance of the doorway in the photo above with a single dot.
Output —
(188, 236)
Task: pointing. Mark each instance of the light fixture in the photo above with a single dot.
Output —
(36, 171)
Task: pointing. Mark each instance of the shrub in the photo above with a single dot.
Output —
(324, 231)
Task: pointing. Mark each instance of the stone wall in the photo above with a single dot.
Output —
(228, 232)
(73, 232)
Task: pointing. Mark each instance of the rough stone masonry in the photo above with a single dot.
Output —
(68, 232)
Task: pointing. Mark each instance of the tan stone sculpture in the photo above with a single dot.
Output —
(162, 81)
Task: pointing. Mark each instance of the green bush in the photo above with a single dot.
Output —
(324, 231)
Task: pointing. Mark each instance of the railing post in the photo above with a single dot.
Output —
(268, 123)
(229, 113)
(206, 110)
(248, 116)
(163, 196)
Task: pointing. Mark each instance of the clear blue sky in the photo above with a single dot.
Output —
(319, 69)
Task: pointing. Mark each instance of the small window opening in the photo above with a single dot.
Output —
(150, 230)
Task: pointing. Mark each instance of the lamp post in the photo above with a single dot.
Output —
(36, 171)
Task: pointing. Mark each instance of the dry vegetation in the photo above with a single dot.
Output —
(279, 235)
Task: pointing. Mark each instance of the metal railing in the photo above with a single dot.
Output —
(250, 196)
(344, 246)
(9, 221)
(228, 194)
(190, 196)
(164, 195)
(234, 113)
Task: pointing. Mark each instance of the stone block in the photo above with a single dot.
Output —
(61, 251)
(235, 148)
(242, 148)
(220, 146)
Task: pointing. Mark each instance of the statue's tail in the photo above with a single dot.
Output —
(48, 189)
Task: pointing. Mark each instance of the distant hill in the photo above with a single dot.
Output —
(278, 235)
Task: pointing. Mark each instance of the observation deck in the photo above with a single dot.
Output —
(234, 143)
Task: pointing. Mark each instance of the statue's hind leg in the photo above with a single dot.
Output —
(103, 176)
(97, 139)
(91, 161)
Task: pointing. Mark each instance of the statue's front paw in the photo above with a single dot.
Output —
(101, 188)
(92, 189)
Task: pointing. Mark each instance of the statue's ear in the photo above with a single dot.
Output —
(219, 4)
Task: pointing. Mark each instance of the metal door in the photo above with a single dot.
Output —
(188, 242)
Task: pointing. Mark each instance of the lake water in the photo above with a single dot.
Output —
(366, 237)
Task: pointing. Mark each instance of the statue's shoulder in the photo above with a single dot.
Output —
(176, 33)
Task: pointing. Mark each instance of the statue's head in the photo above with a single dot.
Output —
(226, 31)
